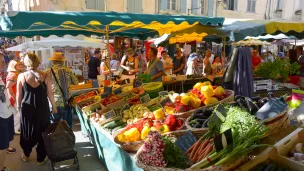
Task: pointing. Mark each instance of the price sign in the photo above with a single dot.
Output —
(185, 141)
(110, 114)
(223, 140)
(137, 83)
(125, 107)
(163, 93)
(104, 95)
(145, 99)
(272, 108)
(219, 115)
(165, 101)
(107, 90)
(118, 91)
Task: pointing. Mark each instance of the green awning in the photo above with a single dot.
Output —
(127, 24)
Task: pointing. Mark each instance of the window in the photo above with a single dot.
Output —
(280, 4)
(95, 4)
(232, 5)
(171, 5)
(299, 5)
(251, 5)
(202, 6)
(134, 6)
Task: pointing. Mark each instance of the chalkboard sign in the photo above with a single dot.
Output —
(219, 115)
(145, 99)
(272, 108)
(165, 101)
(125, 107)
(137, 83)
(185, 141)
(163, 93)
(223, 140)
(109, 114)
(104, 95)
(107, 90)
(118, 91)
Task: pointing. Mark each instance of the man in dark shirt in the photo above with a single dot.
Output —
(94, 65)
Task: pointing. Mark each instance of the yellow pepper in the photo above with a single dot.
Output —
(219, 91)
(207, 91)
(210, 101)
(206, 83)
(164, 128)
(169, 110)
(196, 103)
(121, 137)
(197, 86)
(159, 114)
(186, 99)
(132, 135)
(144, 132)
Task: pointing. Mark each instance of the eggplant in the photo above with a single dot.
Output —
(201, 121)
(236, 97)
(242, 103)
(197, 115)
(208, 112)
(206, 123)
(199, 111)
(251, 106)
(256, 99)
(262, 102)
(197, 125)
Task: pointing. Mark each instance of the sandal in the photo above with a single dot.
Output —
(24, 158)
(43, 162)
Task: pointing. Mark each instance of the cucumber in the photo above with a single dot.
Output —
(109, 123)
(113, 124)
(118, 127)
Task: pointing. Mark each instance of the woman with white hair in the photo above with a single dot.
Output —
(34, 88)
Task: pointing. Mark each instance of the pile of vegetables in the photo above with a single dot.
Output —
(110, 99)
(252, 105)
(84, 96)
(246, 132)
(199, 150)
(200, 118)
(115, 125)
(160, 151)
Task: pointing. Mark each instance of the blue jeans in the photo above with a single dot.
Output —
(64, 113)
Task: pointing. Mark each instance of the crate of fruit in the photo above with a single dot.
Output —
(85, 96)
(89, 101)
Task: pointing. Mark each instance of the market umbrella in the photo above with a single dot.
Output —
(251, 42)
(47, 44)
(141, 26)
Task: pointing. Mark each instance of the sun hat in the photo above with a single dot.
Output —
(129, 50)
(57, 56)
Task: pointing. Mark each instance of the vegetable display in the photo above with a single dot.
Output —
(200, 118)
(199, 150)
(84, 96)
(135, 113)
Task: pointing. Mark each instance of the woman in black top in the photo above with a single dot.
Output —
(129, 63)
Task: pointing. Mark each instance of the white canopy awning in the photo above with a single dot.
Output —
(47, 44)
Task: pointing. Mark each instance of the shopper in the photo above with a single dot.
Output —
(191, 64)
(178, 62)
(270, 57)
(207, 64)
(129, 64)
(94, 65)
(62, 77)
(256, 60)
(114, 63)
(6, 119)
(292, 55)
(142, 61)
(14, 68)
(155, 66)
(105, 68)
(34, 88)
(216, 65)
(167, 62)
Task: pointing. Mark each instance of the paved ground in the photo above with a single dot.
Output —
(86, 154)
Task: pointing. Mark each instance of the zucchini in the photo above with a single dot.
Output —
(113, 124)
(118, 127)
(109, 123)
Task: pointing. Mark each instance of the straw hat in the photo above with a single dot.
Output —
(57, 56)
(129, 50)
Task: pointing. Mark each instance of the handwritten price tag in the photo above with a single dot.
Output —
(110, 114)
(104, 95)
(117, 91)
(165, 101)
(145, 99)
(125, 107)
(163, 93)
(186, 141)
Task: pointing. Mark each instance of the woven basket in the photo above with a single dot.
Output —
(230, 98)
(188, 126)
(276, 123)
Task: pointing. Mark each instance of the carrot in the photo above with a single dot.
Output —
(203, 152)
(195, 148)
(203, 146)
(211, 140)
(190, 149)
(210, 148)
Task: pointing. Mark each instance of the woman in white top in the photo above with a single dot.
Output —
(167, 62)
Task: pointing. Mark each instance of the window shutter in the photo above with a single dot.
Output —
(235, 5)
(95, 4)
(138, 6)
(279, 4)
(130, 6)
(193, 6)
(163, 4)
(249, 5)
(183, 6)
(253, 4)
